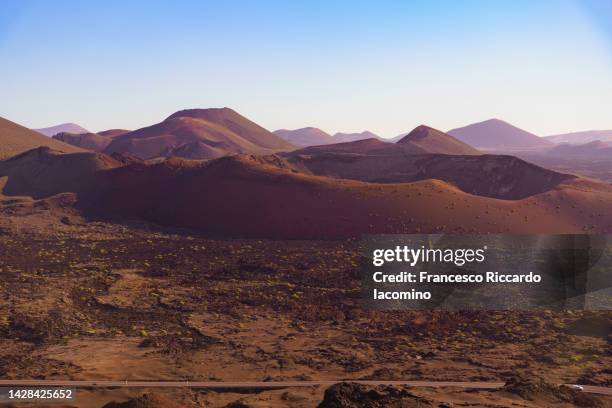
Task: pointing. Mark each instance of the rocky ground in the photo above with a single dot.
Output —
(87, 301)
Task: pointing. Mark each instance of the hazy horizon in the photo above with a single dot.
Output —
(345, 67)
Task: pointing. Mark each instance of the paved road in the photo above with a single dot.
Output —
(265, 384)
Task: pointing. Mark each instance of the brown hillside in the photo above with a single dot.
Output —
(87, 141)
(248, 196)
(15, 139)
(431, 140)
(200, 134)
(43, 172)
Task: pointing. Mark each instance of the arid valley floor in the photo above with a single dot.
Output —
(88, 300)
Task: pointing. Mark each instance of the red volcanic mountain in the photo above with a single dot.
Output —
(430, 140)
(496, 176)
(247, 196)
(497, 135)
(308, 136)
(15, 139)
(199, 134)
(96, 142)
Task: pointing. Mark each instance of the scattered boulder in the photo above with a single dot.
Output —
(354, 395)
(145, 401)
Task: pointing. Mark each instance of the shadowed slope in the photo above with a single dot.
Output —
(259, 197)
(250, 196)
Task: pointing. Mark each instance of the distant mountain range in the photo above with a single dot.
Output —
(311, 136)
(213, 133)
(591, 149)
(582, 137)
(352, 137)
(64, 127)
(308, 136)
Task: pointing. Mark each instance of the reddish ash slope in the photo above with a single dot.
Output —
(16, 139)
(431, 140)
(199, 134)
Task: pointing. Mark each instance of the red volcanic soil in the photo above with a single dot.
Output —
(431, 140)
(199, 134)
(308, 136)
(245, 196)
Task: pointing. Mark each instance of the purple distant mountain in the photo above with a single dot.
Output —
(308, 136)
(495, 134)
(352, 137)
(582, 137)
(63, 128)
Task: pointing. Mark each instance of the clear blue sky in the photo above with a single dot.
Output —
(385, 66)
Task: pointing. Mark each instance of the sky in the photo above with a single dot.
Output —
(342, 66)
